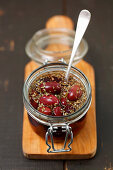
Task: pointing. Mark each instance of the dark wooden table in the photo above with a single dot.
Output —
(19, 20)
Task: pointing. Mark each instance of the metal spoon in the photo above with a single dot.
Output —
(83, 21)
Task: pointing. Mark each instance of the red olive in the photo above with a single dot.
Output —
(49, 100)
(74, 93)
(63, 101)
(45, 110)
(68, 108)
(57, 111)
(51, 87)
(33, 103)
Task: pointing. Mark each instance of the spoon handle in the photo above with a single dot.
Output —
(83, 21)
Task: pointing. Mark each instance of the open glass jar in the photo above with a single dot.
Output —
(52, 124)
(52, 45)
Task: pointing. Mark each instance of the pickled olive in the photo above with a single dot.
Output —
(63, 101)
(57, 111)
(33, 103)
(74, 93)
(49, 100)
(45, 110)
(51, 87)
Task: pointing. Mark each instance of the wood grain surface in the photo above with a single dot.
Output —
(85, 142)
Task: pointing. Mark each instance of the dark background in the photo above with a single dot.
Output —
(19, 20)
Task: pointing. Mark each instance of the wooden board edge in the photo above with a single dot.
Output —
(59, 156)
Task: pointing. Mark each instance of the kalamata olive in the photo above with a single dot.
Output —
(63, 101)
(57, 111)
(51, 87)
(74, 93)
(33, 103)
(68, 108)
(49, 100)
(45, 110)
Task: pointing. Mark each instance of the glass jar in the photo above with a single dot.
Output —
(52, 45)
(52, 124)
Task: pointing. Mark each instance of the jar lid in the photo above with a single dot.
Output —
(52, 45)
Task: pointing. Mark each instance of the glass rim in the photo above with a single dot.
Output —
(46, 30)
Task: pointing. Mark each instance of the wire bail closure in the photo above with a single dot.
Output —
(53, 129)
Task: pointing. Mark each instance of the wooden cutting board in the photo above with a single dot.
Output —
(85, 142)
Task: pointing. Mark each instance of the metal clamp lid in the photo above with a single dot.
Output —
(53, 129)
